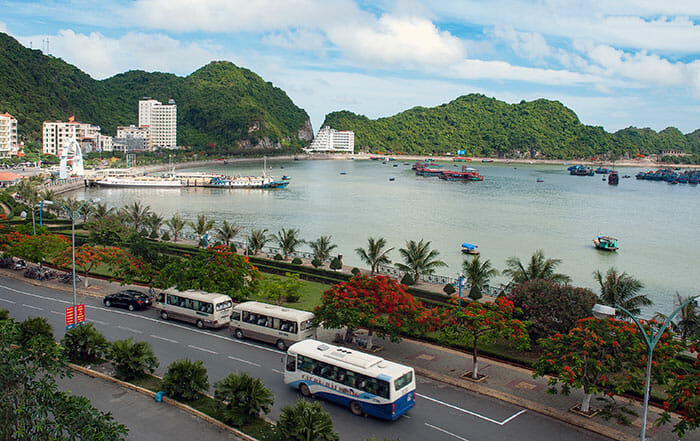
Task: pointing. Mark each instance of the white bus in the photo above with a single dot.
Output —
(206, 310)
(365, 383)
(273, 324)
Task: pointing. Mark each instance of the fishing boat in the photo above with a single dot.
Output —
(540, 180)
(605, 243)
(613, 178)
(602, 170)
(467, 174)
(469, 248)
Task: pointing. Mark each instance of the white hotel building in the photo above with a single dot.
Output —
(161, 119)
(56, 133)
(8, 135)
(331, 140)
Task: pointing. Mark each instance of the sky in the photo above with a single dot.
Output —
(616, 63)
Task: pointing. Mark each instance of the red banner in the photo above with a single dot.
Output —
(80, 314)
(70, 318)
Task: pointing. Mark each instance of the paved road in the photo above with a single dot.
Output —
(145, 419)
(442, 412)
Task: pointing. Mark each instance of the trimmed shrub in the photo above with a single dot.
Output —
(84, 343)
(449, 289)
(240, 398)
(355, 271)
(278, 256)
(165, 236)
(4, 314)
(305, 421)
(316, 263)
(34, 327)
(132, 360)
(185, 379)
(296, 261)
(335, 264)
(153, 235)
(475, 294)
(407, 280)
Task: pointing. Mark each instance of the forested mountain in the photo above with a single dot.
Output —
(488, 127)
(219, 103)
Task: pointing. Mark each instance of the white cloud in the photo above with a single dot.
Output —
(501, 70)
(529, 45)
(300, 40)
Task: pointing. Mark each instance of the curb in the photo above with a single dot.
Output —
(167, 400)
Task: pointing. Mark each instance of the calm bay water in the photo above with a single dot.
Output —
(508, 214)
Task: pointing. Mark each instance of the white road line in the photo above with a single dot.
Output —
(512, 417)
(452, 406)
(445, 431)
(136, 331)
(244, 361)
(202, 349)
(406, 416)
(165, 339)
(56, 312)
(99, 322)
(277, 371)
(32, 307)
(8, 301)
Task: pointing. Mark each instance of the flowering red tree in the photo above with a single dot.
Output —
(602, 356)
(37, 249)
(377, 303)
(684, 396)
(480, 323)
(87, 257)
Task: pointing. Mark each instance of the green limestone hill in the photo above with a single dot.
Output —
(485, 126)
(219, 103)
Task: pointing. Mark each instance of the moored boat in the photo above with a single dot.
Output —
(467, 174)
(605, 243)
(469, 248)
(613, 178)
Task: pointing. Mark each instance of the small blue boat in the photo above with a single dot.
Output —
(469, 248)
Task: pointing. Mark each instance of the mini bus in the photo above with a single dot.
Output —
(367, 384)
(206, 310)
(272, 324)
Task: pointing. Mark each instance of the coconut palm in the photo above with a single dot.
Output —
(202, 226)
(419, 259)
(136, 214)
(101, 210)
(621, 290)
(48, 195)
(305, 421)
(226, 232)
(537, 268)
(72, 207)
(288, 240)
(478, 274)
(176, 225)
(27, 190)
(322, 248)
(154, 221)
(687, 322)
(240, 398)
(375, 254)
(257, 240)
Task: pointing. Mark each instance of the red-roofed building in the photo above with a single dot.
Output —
(7, 179)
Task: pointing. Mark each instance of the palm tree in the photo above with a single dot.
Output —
(226, 232)
(131, 359)
(240, 398)
(176, 225)
(136, 214)
(26, 189)
(306, 421)
(478, 275)
(72, 206)
(202, 226)
(687, 324)
(322, 248)
(48, 195)
(101, 210)
(537, 268)
(87, 211)
(154, 222)
(621, 290)
(375, 254)
(257, 240)
(288, 241)
(419, 259)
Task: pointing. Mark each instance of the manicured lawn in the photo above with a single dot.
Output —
(311, 293)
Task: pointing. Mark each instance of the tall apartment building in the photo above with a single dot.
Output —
(161, 119)
(331, 140)
(8, 135)
(56, 133)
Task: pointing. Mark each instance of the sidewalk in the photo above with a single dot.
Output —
(146, 419)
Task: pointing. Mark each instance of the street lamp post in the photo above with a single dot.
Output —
(650, 340)
(459, 288)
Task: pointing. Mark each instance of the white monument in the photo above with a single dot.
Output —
(71, 159)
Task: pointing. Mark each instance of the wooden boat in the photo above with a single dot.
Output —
(469, 248)
(605, 243)
(613, 178)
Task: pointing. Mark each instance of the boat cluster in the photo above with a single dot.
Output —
(580, 170)
(429, 169)
(671, 176)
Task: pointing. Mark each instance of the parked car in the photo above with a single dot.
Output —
(129, 298)
(6, 262)
(19, 265)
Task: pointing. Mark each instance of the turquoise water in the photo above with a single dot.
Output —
(508, 214)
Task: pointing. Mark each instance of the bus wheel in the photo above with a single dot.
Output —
(281, 345)
(200, 324)
(356, 408)
(239, 334)
(164, 315)
(304, 389)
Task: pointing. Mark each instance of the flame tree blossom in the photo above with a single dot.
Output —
(684, 396)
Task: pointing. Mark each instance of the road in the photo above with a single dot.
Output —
(442, 412)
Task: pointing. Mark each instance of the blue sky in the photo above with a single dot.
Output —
(615, 63)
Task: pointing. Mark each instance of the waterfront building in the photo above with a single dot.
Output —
(55, 134)
(8, 135)
(161, 120)
(331, 140)
(138, 137)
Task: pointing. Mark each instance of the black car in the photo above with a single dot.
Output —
(128, 298)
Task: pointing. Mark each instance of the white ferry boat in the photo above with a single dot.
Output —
(140, 181)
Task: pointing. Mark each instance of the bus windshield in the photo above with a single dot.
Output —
(223, 305)
(403, 381)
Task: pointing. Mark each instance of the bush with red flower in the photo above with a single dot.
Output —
(38, 249)
(684, 396)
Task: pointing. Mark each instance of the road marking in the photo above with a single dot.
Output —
(32, 307)
(244, 361)
(99, 322)
(56, 312)
(163, 338)
(8, 301)
(406, 416)
(452, 406)
(136, 331)
(202, 349)
(445, 431)
(278, 371)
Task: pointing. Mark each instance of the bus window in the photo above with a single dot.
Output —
(306, 364)
(236, 315)
(161, 297)
(291, 363)
(403, 380)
